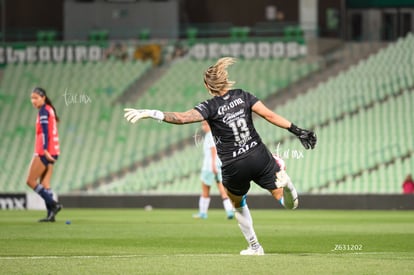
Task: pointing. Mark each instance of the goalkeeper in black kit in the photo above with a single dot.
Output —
(244, 156)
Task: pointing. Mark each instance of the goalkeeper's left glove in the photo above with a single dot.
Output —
(307, 138)
(133, 115)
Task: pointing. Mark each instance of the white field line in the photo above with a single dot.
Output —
(172, 255)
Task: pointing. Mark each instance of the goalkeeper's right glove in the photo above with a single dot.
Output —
(307, 138)
(133, 115)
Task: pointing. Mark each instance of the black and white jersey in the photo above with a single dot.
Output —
(230, 120)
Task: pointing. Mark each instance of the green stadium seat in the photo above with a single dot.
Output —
(144, 34)
(239, 33)
(191, 35)
(41, 36)
(293, 34)
(98, 35)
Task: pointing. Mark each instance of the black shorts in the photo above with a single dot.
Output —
(46, 162)
(259, 166)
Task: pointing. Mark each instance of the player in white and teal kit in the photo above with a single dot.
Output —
(210, 174)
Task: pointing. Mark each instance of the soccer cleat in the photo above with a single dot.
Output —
(290, 195)
(250, 251)
(202, 216)
(47, 220)
(282, 179)
(289, 200)
(53, 211)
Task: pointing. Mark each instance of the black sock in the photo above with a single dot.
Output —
(48, 207)
(45, 195)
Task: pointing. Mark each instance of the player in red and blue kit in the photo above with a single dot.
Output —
(46, 152)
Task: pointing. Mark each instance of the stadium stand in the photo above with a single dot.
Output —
(180, 88)
(93, 131)
(362, 118)
(82, 94)
(364, 122)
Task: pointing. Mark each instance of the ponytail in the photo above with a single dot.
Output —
(49, 102)
(216, 76)
(42, 93)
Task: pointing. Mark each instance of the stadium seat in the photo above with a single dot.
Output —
(191, 35)
(98, 35)
(144, 34)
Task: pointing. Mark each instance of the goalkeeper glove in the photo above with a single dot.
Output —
(307, 138)
(133, 115)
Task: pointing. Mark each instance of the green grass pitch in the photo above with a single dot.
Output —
(135, 241)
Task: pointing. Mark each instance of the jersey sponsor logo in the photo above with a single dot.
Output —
(224, 108)
(232, 116)
(243, 140)
(244, 149)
